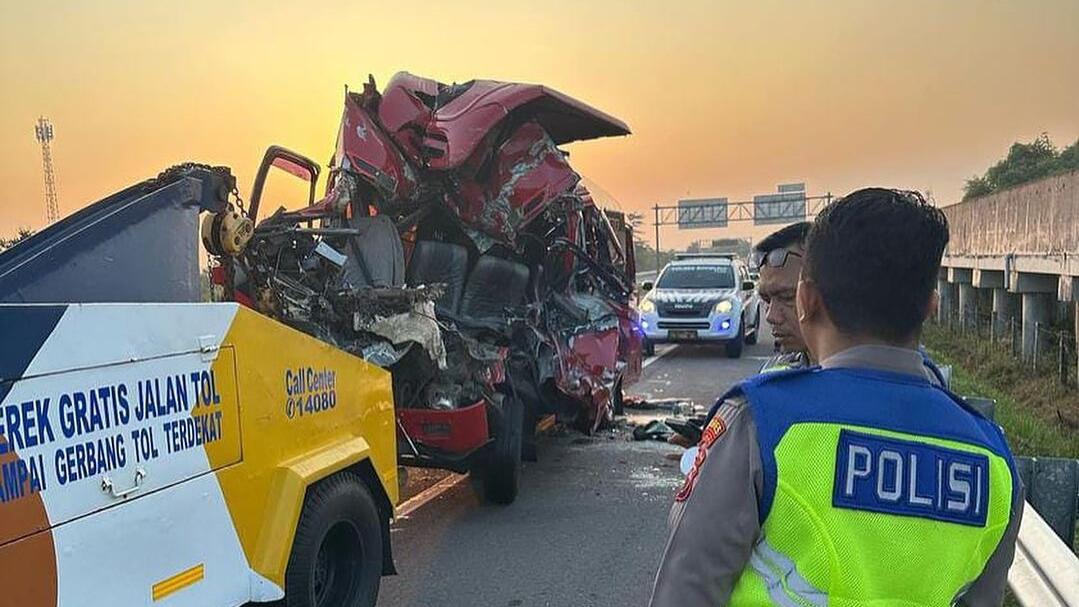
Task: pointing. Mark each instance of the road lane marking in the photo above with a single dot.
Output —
(420, 499)
(658, 356)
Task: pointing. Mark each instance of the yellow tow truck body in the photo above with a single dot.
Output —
(174, 454)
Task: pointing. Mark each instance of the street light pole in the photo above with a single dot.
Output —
(657, 238)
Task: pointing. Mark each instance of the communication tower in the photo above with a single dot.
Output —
(43, 131)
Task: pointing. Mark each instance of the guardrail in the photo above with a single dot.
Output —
(1045, 572)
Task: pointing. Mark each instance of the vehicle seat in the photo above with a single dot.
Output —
(494, 285)
(375, 258)
(440, 262)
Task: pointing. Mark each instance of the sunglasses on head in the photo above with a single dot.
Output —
(776, 258)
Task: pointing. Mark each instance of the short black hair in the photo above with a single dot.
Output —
(875, 256)
(794, 234)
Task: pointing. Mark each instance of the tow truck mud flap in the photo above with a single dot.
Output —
(105, 469)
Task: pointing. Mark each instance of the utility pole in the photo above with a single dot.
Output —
(44, 134)
(657, 239)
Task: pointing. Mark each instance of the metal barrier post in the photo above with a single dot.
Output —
(1016, 344)
(1037, 333)
(1061, 370)
(985, 406)
(1052, 484)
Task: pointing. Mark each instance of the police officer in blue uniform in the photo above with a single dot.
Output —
(778, 259)
(858, 481)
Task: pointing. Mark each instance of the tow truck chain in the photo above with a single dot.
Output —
(177, 171)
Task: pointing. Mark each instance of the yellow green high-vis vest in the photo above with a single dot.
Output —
(879, 489)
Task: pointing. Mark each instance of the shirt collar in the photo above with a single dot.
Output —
(882, 358)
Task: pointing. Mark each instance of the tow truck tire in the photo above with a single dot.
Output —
(648, 348)
(502, 470)
(734, 346)
(751, 338)
(336, 557)
(618, 398)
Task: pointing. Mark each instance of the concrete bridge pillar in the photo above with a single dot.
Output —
(1036, 310)
(962, 278)
(946, 308)
(968, 306)
(1002, 302)
(1003, 311)
(1038, 291)
(1068, 291)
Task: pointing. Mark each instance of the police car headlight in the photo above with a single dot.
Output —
(647, 306)
(723, 307)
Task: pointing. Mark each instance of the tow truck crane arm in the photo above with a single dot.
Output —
(137, 245)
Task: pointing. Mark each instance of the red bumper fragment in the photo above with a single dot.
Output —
(457, 431)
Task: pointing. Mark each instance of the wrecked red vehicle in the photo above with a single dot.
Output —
(456, 246)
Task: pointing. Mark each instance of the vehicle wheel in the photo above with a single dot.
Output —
(337, 553)
(618, 398)
(734, 346)
(648, 348)
(529, 448)
(751, 338)
(502, 470)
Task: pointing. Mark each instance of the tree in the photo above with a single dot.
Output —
(645, 254)
(976, 186)
(1025, 162)
(7, 243)
(1069, 158)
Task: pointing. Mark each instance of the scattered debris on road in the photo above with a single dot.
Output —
(676, 406)
(654, 430)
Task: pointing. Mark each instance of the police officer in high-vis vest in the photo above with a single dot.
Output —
(858, 481)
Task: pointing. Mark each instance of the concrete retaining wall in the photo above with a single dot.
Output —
(1038, 218)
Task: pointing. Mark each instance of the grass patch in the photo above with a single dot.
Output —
(1039, 415)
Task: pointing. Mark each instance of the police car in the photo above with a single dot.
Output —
(701, 298)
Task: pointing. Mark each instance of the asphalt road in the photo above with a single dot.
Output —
(589, 526)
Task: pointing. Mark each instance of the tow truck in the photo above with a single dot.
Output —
(156, 450)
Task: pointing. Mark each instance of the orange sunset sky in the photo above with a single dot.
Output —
(724, 98)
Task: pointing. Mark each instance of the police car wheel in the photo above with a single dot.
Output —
(336, 555)
(502, 471)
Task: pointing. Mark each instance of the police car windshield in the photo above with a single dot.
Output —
(704, 276)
